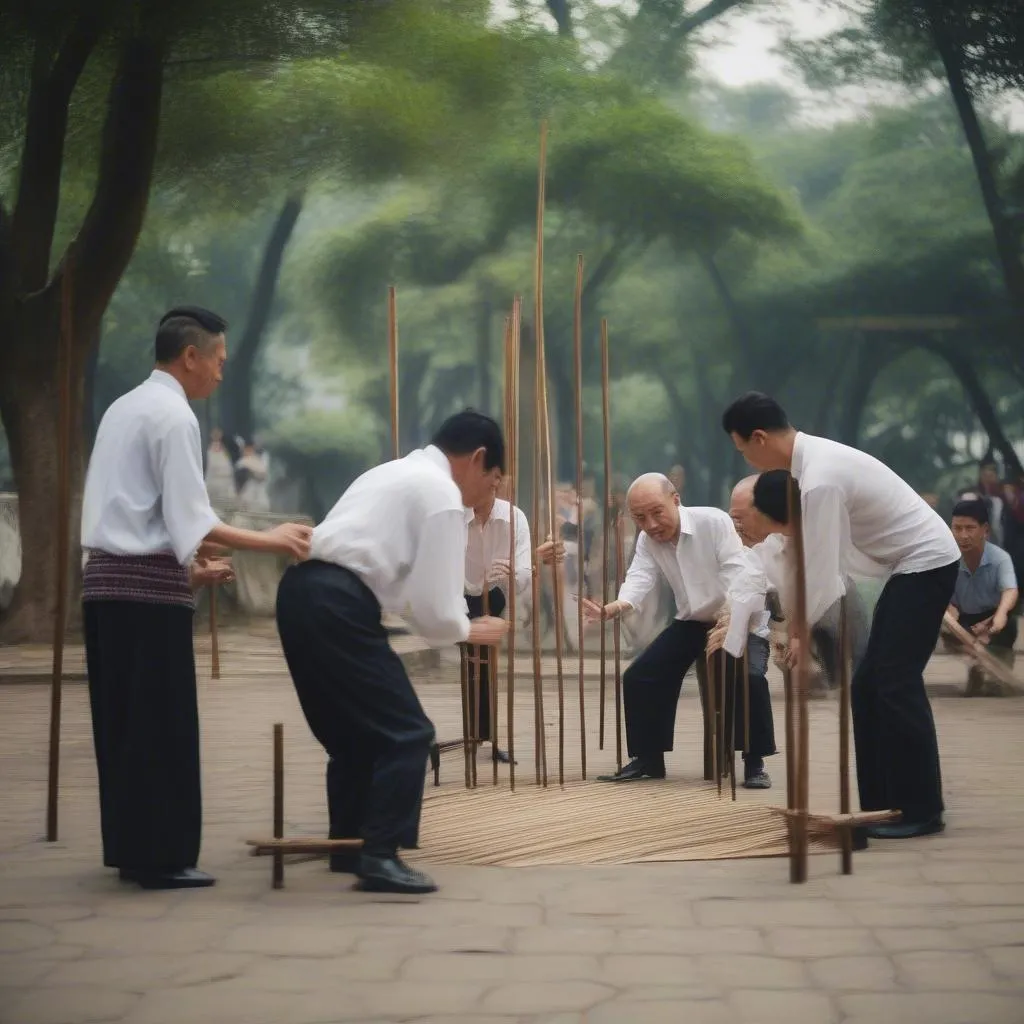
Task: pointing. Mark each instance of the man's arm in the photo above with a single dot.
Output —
(826, 526)
(746, 588)
(641, 576)
(524, 552)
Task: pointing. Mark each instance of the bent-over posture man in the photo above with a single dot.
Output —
(860, 518)
(395, 542)
(698, 552)
(146, 520)
(986, 589)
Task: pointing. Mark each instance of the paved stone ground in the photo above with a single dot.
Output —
(930, 931)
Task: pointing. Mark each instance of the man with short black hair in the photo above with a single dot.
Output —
(861, 519)
(394, 542)
(986, 588)
(146, 519)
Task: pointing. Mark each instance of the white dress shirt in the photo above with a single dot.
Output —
(401, 528)
(860, 519)
(492, 540)
(707, 568)
(144, 489)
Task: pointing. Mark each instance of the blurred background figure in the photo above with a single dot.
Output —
(253, 492)
(220, 473)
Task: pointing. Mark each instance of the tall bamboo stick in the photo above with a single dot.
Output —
(214, 635)
(512, 443)
(846, 835)
(577, 341)
(65, 357)
(606, 527)
(277, 868)
(800, 844)
(393, 368)
(617, 643)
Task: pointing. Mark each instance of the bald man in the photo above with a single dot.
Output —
(697, 551)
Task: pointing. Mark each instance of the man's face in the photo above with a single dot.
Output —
(758, 452)
(477, 484)
(969, 534)
(204, 367)
(656, 513)
(751, 525)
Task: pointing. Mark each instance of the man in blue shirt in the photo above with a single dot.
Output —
(986, 587)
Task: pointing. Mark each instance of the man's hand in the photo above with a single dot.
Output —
(594, 612)
(794, 652)
(209, 550)
(209, 572)
(291, 539)
(486, 631)
(500, 570)
(719, 631)
(998, 622)
(982, 629)
(551, 551)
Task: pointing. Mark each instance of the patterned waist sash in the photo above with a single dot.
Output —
(150, 579)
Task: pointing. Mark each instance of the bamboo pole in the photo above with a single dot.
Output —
(800, 850)
(731, 723)
(512, 442)
(617, 644)
(214, 634)
(65, 356)
(277, 869)
(467, 753)
(712, 676)
(845, 835)
(393, 368)
(606, 537)
(577, 338)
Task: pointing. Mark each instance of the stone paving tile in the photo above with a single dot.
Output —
(931, 931)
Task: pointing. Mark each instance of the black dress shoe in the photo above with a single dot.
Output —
(390, 874)
(501, 756)
(185, 878)
(906, 829)
(859, 835)
(636, 771)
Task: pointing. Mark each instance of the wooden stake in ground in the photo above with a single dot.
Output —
(393, 368)
(800, 678)
(606, 528)
(512, 457)
(577, 344)
(65, 355)
(617, 643)
(845, 835)
(277, 871)
(214, 635)
(716, 764)
(467, 752)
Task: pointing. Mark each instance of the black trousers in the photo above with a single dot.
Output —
(359, 703)
(1005, 638)
(145, 725)
(495, 606)
(893, 728)
(651, 686)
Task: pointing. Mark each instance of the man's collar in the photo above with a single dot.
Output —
(434, 454)
(167, 380)
(685, 522)
(986, 554)
(796, 463)
(500, 510)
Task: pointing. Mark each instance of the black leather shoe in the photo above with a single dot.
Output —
(859, 835)
(186, 878)
(390, 874)
(636, 771)
(501, 756)
(906, 829)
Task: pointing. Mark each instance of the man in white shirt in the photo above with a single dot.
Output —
(698, 552)
(395, 542)
(860, 518)
(146, 519)
(489, 569)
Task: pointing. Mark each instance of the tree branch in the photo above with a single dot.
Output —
(562, 14)
(711, 10)
(42, 155)
(127, 155)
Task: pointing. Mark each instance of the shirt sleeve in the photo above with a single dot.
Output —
(1006, 576)
(746, 589)
(524, 552)
(437, 606)
(641, 576)
(185, 504)
(826, 525)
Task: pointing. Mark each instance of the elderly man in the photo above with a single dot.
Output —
(986, 588)
(698, 553)
(860, 518)
(767, 538)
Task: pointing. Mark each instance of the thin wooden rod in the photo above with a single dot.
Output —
(606, 527)
(577, 339)
(846, 836)
(801, 687)
(721, 698)
(65, 357)
(489, 658)
(214, 634)
(617, 642)
(512, 447)
(467, 752)
(734, 696)
(393, 368)
(277, 867)
(713, 718)
(745, 669)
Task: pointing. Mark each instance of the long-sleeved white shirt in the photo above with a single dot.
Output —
(491, 540)
(707, 567)
(860, 519)
(401, 528)
(144, 489)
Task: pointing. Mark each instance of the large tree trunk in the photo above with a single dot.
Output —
(31, 320)
(484, 311)
(1006, 240)
(236, 391)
